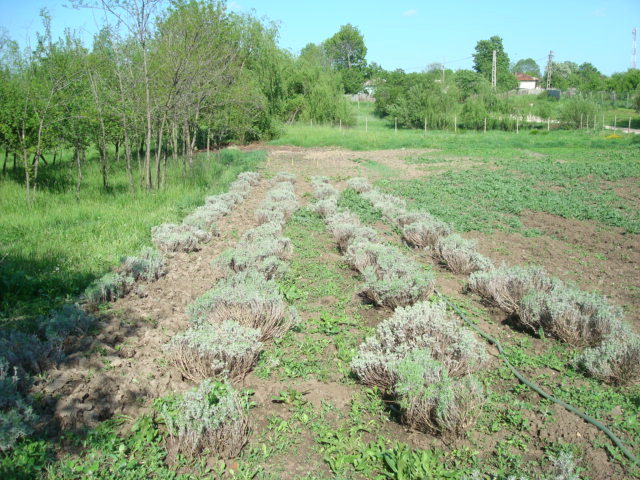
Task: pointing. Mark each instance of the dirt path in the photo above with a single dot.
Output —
(122, 369)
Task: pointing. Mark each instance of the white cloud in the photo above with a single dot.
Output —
(409, 13)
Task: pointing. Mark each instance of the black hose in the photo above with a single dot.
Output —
(599, 425)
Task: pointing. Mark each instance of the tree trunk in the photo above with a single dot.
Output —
(147, 153)
(15, 162)
(79, 166)
(159, 151)
(4, 165)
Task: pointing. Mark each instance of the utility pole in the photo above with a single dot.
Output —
(633, 48)
(443, 71)
(549, 67)
(494, 70)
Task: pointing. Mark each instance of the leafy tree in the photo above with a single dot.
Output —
(471, 83)
(528, 66)
(483, 60)
(347, 52)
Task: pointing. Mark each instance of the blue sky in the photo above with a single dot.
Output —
(413, 34)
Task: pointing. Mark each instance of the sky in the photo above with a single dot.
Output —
(411, 34)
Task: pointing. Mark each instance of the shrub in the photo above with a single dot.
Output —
(268, 215)
(570, 315)
(62, 325)
(342, 218)
(390, 278)
(506, 287)
(253, 178)
(243, 187)
(325, 190)
(170, 237)
(346, 233)
(149, 265)
(391, 206)
(359, 184)
(459, 255)
(16, 415)
(248, 299)
(424, 326)
(326, 207)
(616, 361)
(24, 350)
(425, 232)
(319, 179)
(281, 192)
(413, 217)
(205, 351)
(265, 230)
(285, 177)
(265, 255)
(431, 401)
(201, 218)
(211, 417)
(108, 288)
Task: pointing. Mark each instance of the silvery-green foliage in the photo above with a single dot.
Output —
(414, 217)
(61, 325)
(391, 206)
(325, 207)
(270, 214)
(170, 237)
(340, 218)
(425, 232)
(281, 192)
(346, 233)
(285, 177)
(319, 179)
(325, 191)
(460, 255)
(108, 288)
(231, 199)
(265, 255)
(390, 278)
(433, 402)
(253, 178)
(228, 349)
(265, 230)
(615, 361)
(25, 351)
(564, 467)
(241, 187)
(16, 415)
(573, 316)
(247, 298)
(213, 417)
(426, 326)
(148, 265)
(359, 184)
(505, 287)
(221, 205)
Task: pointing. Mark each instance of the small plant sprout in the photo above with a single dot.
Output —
(211, 417)
(460, 255)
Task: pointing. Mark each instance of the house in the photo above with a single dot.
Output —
(527, 82)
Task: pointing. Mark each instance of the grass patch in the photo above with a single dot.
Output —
(353, 201)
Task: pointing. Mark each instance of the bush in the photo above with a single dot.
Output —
(24, 350)
(62, 325)
(391, 206)
(431, 401)
(108, 288)
(270, 215)
(459, 255)
(242, 187)
(253, 178)
(616, 361)
(425, 232)
(149, 265)
(359, 184)
(211, 417)
(282, 192)
(265, 255)
(285, 177)
(390, 278)
(325, 190)
(422, 326)
(413, 217)
(265, 230)
(229, 350)
(248, 299)
(16, 415)
(326, 208)
(319, 179)
(347, 233)
(170, 237)
(505, 287)
(576, 317)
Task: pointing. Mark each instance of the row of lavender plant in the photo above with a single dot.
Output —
(421, 356)
(231, 322)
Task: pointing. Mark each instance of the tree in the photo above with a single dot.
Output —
(483, 60)
(528, 66)
(347, 52)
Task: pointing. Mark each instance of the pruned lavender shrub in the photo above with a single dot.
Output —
(228, 349)
(285, 177)
(148, 265)
(505, 287)
(391, 206)
(615, 361)
(265, 255)
(213, 417)
(247, 298)
(319, 179)
(413, 217)
(390, 278)
(422, 326)
(202, 219)
(61, 327)
(108, 288)
(460, 255)
(253, 178)
(326, 208)
(16, 415)
(359, 184)
(170, 237)
(425, 232)
(346, 233)
(228, 200)
(341, 218)
(243, 187)
(270, 215)
(265, 230)
(25, 351)
(433, 402)
(573, 316)
(281, 192)
(325, 190)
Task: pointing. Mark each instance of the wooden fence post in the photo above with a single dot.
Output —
(485, 124)
(396, 125)
(455, 124)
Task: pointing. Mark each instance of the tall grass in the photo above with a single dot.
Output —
(50, 251)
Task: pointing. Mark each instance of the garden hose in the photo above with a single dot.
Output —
(599, 425)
